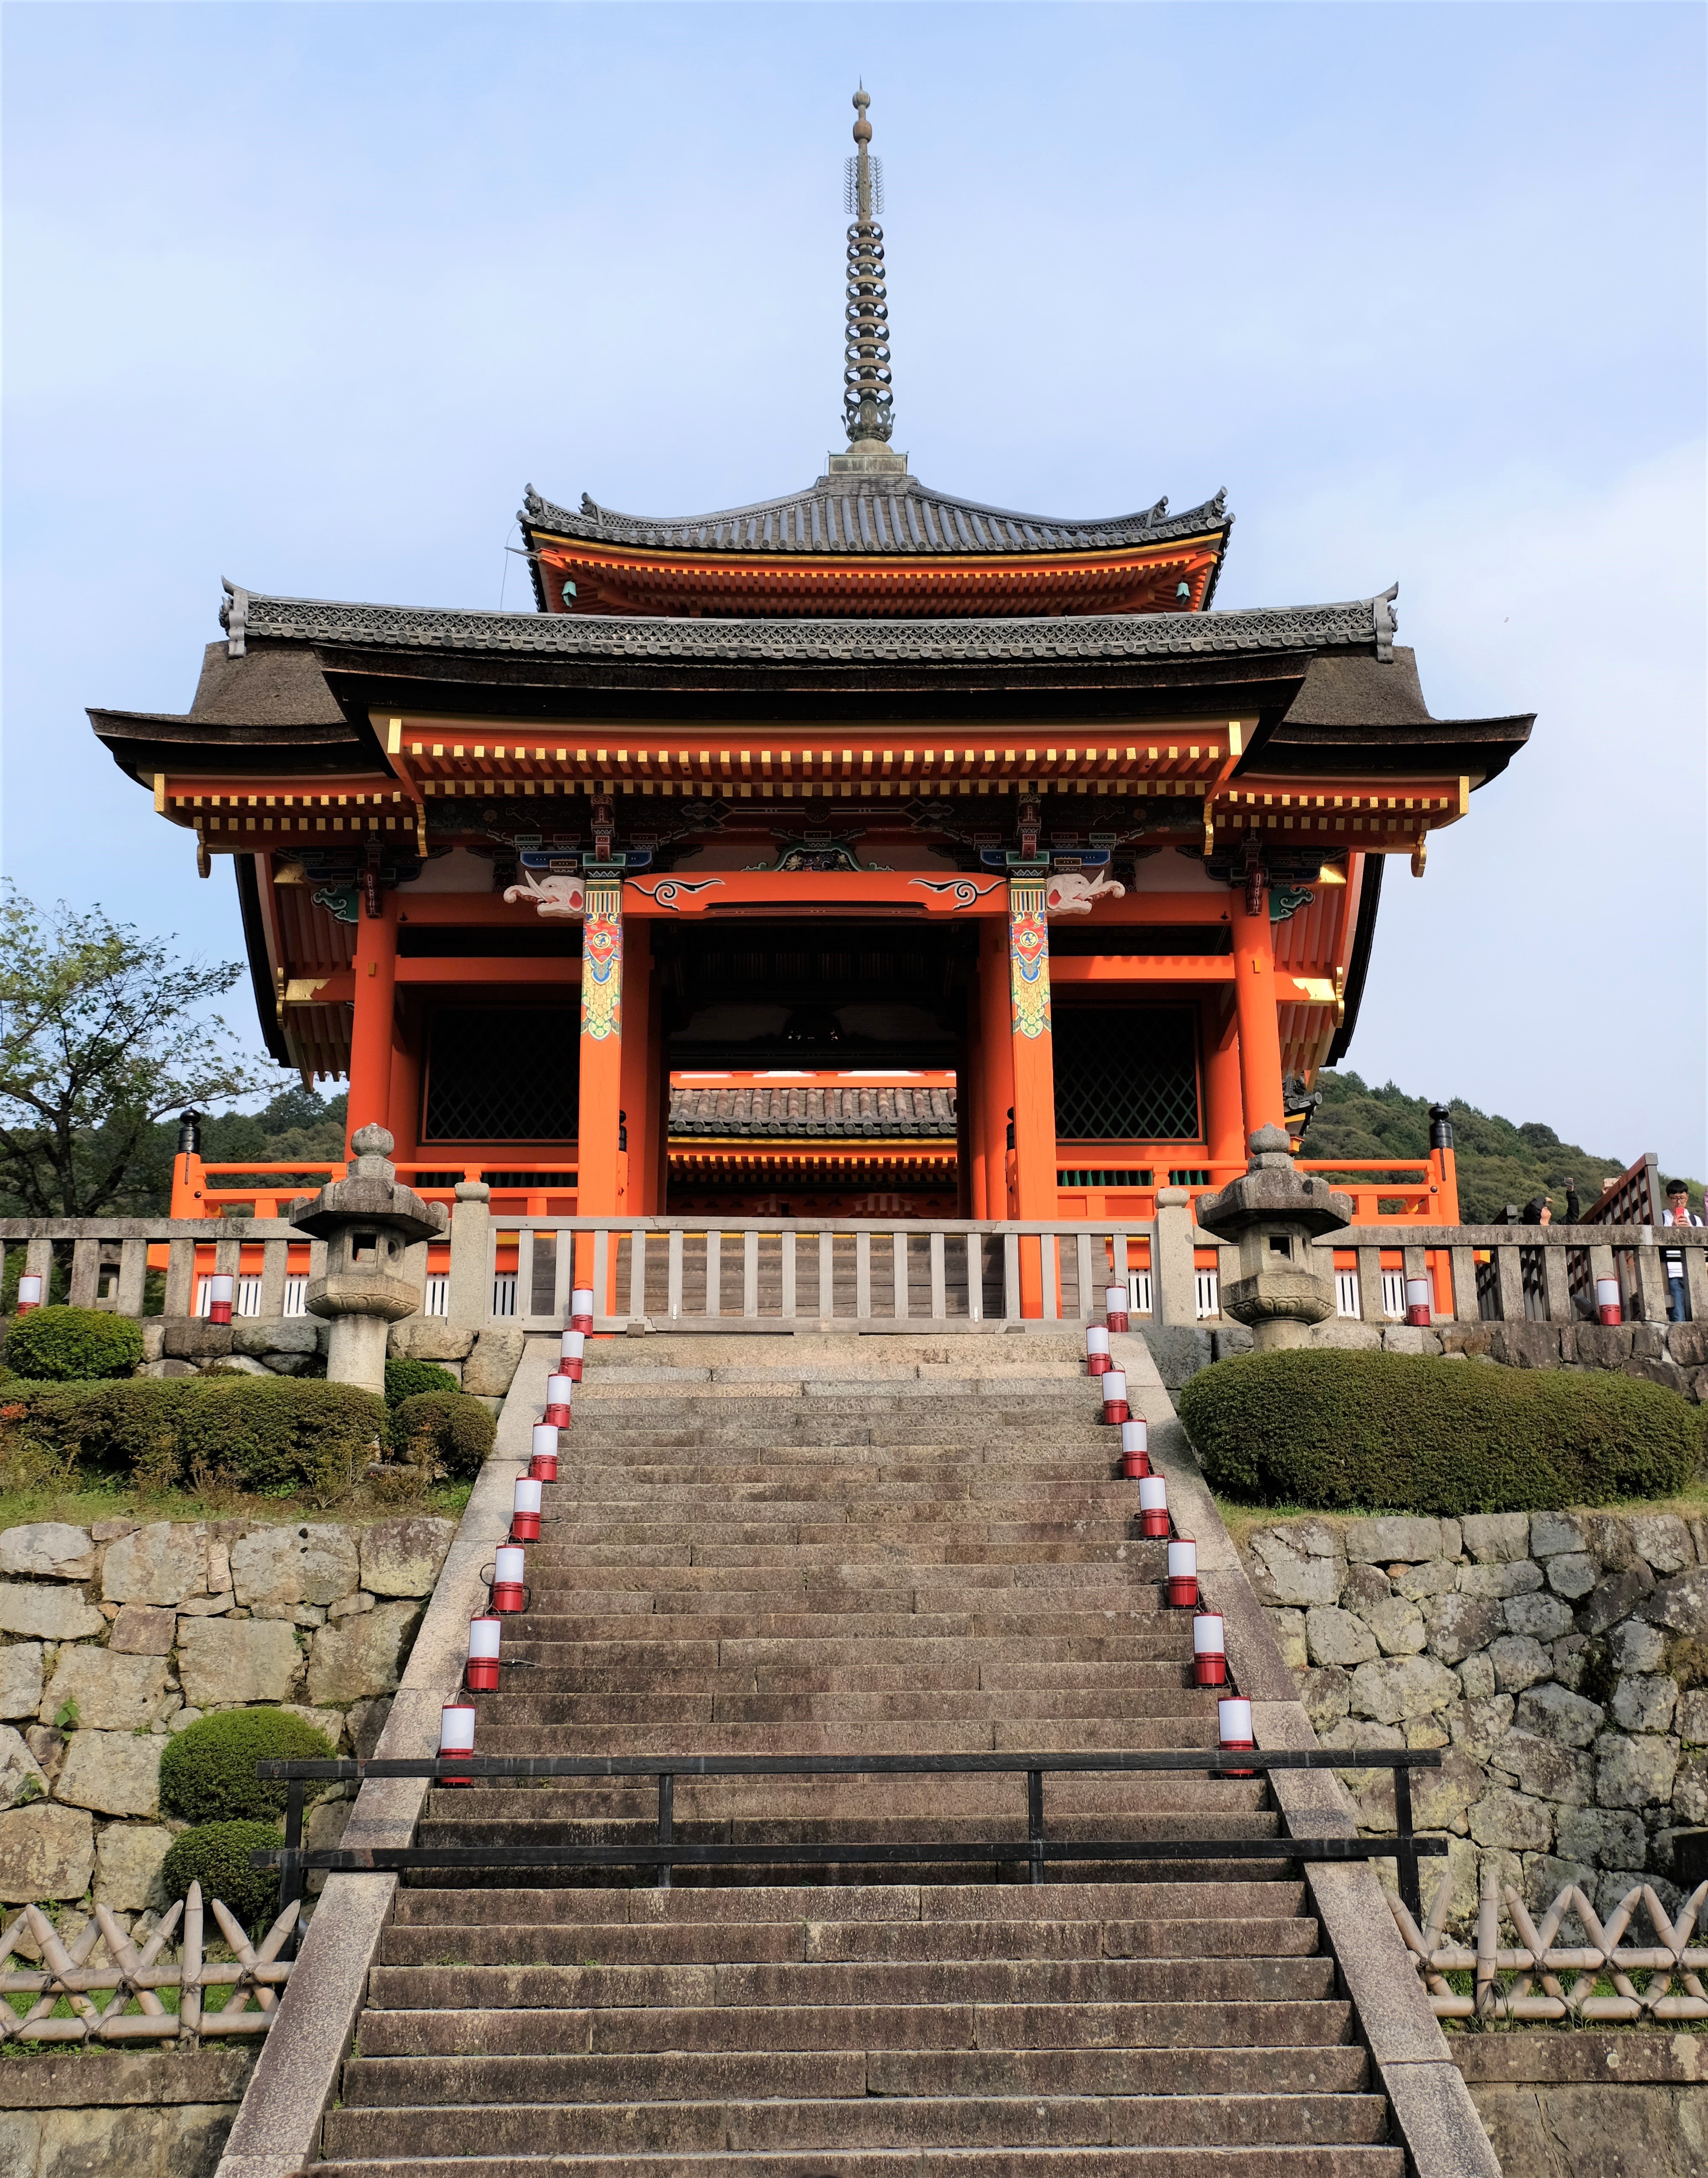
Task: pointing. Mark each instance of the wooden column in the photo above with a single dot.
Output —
(598, 1184)
(1254, 1004)
(638, 1098)
(1032, 1049)
(403, 1103)
(1226, 1120)
(995, 1066)
(370, 1026)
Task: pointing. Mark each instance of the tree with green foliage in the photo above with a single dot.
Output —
(103, 1032)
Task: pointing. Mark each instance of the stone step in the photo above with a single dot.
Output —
(866, 1651)
(660, 1707)
(1119, 1679)
(933, 2162)
(889, 1902)
(955, 1798)
(898, 2124)
(569, 1569)
(984, 1623)
(1018, 1736)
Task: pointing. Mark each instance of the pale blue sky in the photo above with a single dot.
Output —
(306, 294)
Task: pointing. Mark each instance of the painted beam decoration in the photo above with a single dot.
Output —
(602, 959)
(1029, 955)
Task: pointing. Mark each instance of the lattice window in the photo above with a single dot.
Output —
(1126, 1073)
(504, 1074)
(1348, 1301)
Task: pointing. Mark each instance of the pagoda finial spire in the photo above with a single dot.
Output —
(867, 402)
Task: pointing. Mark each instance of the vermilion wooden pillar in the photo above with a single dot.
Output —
(1225, 1120)
(404, 1102)
(1033, 1050)
(598, 1185)
(370, 1025)
(1254, 1002)
(995, 1066)
(638, 1071)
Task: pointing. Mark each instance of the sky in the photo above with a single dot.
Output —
(306, 295)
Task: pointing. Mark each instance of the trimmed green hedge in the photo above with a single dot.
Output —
(279, 1434)
(216, 1855)
(63, 1344)
(1336, 1429)
(207, 1771)
(443, 1430)
(406, 1379)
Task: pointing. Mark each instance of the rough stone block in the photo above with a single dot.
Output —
(1545, 1768)
(1455, 1625)
(1477, 1677)
(1364, 1588)
(355, 1659)
(1663, 1540)
(115, 1773)
(1691, 1718)
(112, 1693)
(51, 1550)
(1409, 1338)
(19, 1770)
(1681, 1604)
(47, 1743)
(1513, 1576)
(330, 1722)
(305, 1564)
(1570, 1654)
(275, 1334)
(127, 1858)
(1398, 1625)
(1552, 1713)
(1608, 1539)
(1479, 1726)
(1230, 1339)
(1690, 1790)
(1497, 1536)
(1345, 1335)
(1393, 1690)
(1403, 1536)
(1298, 1565)
(1667, 1374)
(1526, 1345)
(191, 1340)
(21, 1678)
(161, 1563)
(1551, 1532)
(1512, 1820)
(1615, 1598)
(492, 1365)
(1545, 1617)
(230, 1663)
(288, 1365)
(52, 1614)
(1288, 1628)
(1469, 1341)
(367, 1722)
(234, 1365)
(1644, 1704)
(45, 1852)
(141, 1630)
(1418, 1583)
(1687, 1344)
(1634, 1773)
(403, 1557)
(1573, 1573)
(1178, 1351)
(1601, 1835)
(1602, 1345)
(1327, 1695)
(1518, 1663)
(1332, 1636)
(429, 1338)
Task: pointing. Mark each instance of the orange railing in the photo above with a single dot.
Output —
(526, 1193)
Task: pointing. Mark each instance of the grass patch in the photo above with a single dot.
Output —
(123, 1500)
(1240, 1517)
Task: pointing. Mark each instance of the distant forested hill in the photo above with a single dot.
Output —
(1499, 1162)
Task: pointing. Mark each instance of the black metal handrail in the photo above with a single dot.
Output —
(294, 1863)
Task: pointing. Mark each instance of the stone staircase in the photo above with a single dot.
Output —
(755, 1550)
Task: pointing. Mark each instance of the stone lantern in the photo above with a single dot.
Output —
(1273, 1215)
(367, 1220)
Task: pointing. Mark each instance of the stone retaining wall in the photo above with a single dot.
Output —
(153, 2114)
(1559, 2103)
(115, 1636)
(1560, 1660)
(483, 1362)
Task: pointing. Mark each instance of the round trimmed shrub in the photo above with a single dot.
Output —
(405, 1379)
(1335, 1428)
(207, 1771)
(444, 1430)
(216, 1855)
(57, 1345)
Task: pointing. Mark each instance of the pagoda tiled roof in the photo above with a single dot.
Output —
(813, 1112)
(1364, 624)
(886, 514)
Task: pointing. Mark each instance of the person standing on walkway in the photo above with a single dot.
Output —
(1676, 1212)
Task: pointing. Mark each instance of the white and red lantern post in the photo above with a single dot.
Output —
(542, 1461)
(582, 1309)
(1209, 1654)
(1184, 1574)
(481, 1673)
(1153, 1507)
(1115, 1407)
(1609, 1309)
(572, 1353)
(525, 1510)
(1115, 1302)
(1135, 1448)
(1418, 1310)
(559, 1394)
(221, 1288)
(29, 1292)
(1234, 1729)
(1097, 1362)
(456, 1722)
(510, 1580)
